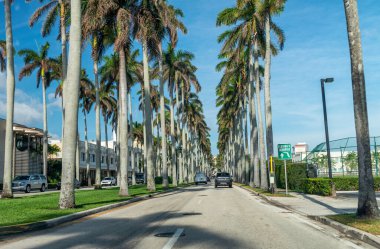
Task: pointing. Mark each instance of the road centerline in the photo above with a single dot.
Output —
(173, 240)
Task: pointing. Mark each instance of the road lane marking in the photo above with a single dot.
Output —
(173, 239)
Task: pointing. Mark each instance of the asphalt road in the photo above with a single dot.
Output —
(196, 217)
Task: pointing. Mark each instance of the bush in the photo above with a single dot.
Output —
(52, 185)
(296, 172)
(350, 183)
(54, 170)
(158, 179)
(316, 186)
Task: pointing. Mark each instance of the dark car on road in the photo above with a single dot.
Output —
(76, 183)
(223, 178)
(139, 178)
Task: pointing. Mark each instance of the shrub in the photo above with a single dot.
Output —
(316, 186)
(158, 179)
(296, 172)
(350, 183)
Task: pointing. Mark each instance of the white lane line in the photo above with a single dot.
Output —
(173, 239)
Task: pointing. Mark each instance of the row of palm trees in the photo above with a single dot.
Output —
(239, 92)
(247, 43)
(117, 24)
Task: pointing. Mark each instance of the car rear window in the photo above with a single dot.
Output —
(21, 178)
(107, 178)
(222, 175)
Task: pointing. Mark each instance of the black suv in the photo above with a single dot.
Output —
(223, 178)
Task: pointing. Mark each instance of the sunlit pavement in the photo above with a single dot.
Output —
(195, 217)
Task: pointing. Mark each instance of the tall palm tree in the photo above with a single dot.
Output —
(67, 195)
(367, 204)
(51, 10)
(8, 152)
(95, 29)
(269, 8)
(42, 63)
(147, 22)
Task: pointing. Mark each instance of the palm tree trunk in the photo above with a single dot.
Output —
(367, 204)
(165, 182)
(87, 156)
(67, 196)
(172, 135)
(148, 121)
(123, 126)
(106, 137)
(45, 138)
(98, 152)
(255, 170)
(132, 138)
(267, 97)
(263, 169)
(145, 149)
(180, 169)
(118, 136)
(246, 163)
(64, 54)
(77, 158)
(9, 143)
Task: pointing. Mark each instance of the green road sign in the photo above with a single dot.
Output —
(284, 151)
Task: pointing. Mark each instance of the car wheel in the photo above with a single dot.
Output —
(196, 183)
(230, 185)
(42, 189)
(27, 189)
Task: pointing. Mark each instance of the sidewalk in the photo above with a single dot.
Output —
(345, 202)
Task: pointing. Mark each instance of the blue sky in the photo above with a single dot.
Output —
(316, 47)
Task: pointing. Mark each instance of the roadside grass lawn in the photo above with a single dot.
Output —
(264, 192)
(368, 225)
(23, 210)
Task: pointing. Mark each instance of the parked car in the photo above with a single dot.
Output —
(200, 178)
(139, 178)
(28, 182)
(223, 178)
(76, 183)
(110, 181)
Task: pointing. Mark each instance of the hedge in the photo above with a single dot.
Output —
(158, 179)
(296, 172)
(350, 183)
(316, 186)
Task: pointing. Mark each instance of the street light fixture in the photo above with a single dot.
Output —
(323, 81)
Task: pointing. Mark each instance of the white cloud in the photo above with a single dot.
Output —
(27, 109)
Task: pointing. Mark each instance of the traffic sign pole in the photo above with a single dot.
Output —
(286, 179)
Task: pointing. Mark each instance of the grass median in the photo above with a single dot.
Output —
(367, 225)
(263, 192)
(23, 210)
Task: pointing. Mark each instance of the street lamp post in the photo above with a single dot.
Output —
(323, 81)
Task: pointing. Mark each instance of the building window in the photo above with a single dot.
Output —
(102, 159)
(111, 160)
(83, 157)
(93, 158)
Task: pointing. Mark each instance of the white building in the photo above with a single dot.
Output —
(300, 151)
(113, 163)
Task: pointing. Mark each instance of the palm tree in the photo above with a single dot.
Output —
(367, 204)
(269, 8)
(43, 64)
(51, 10)
(8, 152)
(67, 196)
(146, 21)
(96, 30)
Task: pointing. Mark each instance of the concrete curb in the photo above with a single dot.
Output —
(11, 230)
(347, 230)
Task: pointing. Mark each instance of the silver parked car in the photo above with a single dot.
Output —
(28, 182)
(108, 181)
(200, 178)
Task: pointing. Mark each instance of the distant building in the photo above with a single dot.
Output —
(113, 163)
(27, 150)
(300, 151)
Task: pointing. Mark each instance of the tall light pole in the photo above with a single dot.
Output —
(323, 81)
